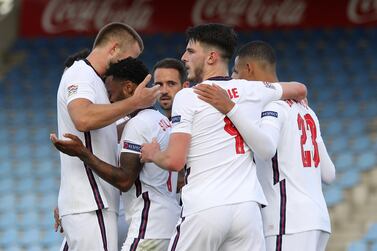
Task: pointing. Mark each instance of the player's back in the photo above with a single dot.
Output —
(292, 180)
(220, 169)
(150, 200)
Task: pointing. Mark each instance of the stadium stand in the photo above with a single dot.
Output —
(339, 67)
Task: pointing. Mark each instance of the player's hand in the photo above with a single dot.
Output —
(215, 96)
(58, 222)
(144, 96)
(149, 151)
(73, 146)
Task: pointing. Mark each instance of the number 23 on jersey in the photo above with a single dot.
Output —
(307, 124)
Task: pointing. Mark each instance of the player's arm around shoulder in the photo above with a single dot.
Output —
(293, 90)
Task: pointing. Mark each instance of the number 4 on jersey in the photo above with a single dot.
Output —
(304, 124)
(232, 130)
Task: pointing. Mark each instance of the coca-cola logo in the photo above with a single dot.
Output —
(88, 15)
(249, 12)
(362, 11)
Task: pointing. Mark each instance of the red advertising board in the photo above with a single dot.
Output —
(86, 17)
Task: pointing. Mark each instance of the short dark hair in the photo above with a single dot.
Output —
(172, 63)
(75, 57)
(131, 69)
(123, 32)
(259, 50)
(219, 35)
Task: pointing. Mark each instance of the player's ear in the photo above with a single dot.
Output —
(249, 68)
(129, 88)
(213, 57)
(114, 48)
(186, 84)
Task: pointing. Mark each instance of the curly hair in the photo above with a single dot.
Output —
(131, 69)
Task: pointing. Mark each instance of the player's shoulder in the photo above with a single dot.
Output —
(146, 117)
(185, 94)
(79, 71)
(283, 103)
(78, 67)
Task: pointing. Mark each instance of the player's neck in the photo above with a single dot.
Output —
(97, 62)
(168, 114)
(268, 77)
(220, 71)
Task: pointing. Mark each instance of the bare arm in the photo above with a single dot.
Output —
(218, 97)
(293, 90)
(87, 116)
(123, 178)
(173, 158)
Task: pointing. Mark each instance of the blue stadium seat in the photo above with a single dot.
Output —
(333, 195)
(371, 235)
(25, 185)
(358, 246)
(46, 167)
(28, 220)
(48, 202)
(360, 144)
(367, 160)
(9, 238)
(348, 179)
(344, 161)
(8, 219)
(35, 247)
(27, 201)
(23, 167)
(8, 201)
(6, 185)
(50, 238)
(14, 247)
(47, 184)
(356, 127)
(30, 237)
(374, 246)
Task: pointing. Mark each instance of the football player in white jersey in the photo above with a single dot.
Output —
(152, 210)
(122, 225)
(170, 74)
(88, 205)
(222, 195)
(296, 217)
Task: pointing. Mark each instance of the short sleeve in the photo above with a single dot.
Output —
(133, 136)
(183, 111)
(77, 90)
(269, 92)
(274, 114)
(80, 82)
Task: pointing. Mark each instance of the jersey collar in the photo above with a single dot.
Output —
(220, 78)
(89, 64)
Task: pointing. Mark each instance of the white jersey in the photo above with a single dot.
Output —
(292, 180)
(152, 210)
(81, 190)
(220, 169)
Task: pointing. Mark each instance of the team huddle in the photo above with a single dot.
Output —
(234, 163)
